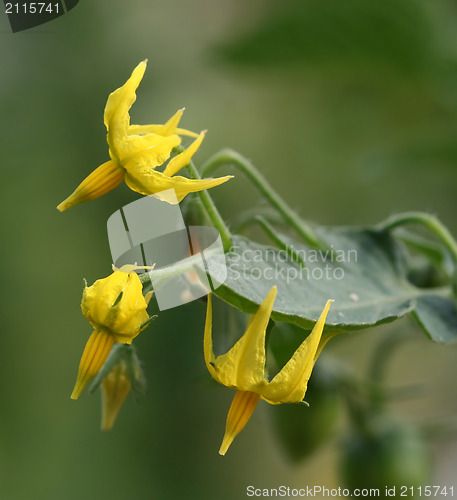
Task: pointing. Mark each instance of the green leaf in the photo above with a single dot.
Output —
(364, 272)
(437, 316)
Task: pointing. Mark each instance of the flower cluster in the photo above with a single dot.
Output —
(116, 305)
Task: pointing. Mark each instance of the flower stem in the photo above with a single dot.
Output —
(210, 207)
(228, 156)
(378, 369)
(271, 233)
(427, 220)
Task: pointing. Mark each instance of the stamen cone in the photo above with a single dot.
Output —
(102, 180)
(95, 353)
(243, 406)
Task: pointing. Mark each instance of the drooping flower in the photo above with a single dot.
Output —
(243, 368)
(136, 151)
(116, 308)
(115, 388)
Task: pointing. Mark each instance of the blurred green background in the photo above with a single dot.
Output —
(348, 108)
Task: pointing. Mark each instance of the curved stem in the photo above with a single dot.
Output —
(162, 274)
(271, 233)
(249, 217)
(228, 156)
(427, 220)
(378, 368)
(210, 207)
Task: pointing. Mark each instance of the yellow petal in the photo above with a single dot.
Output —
(141, 163)
(95, 353)
(116, 117)
(120, 101)
(104, 306)
(243, 367)
(323, 342)
(132, 307)
(115, 388)
(157, 146)
(102, 180)
(171, 125)
(189, 133)
(290, 384)
(169, 128)
(99, 298)
(159, 130)
(241, 409)
(183, 159)
(152, 182)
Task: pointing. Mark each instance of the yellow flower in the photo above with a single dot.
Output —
(115, 388)
(116, 308)
(136, 150)
(243, 368)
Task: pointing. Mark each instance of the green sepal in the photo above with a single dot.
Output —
(123, 353)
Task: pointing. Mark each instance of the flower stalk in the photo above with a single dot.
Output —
(211, 209)
(230, 157)
(427, 220)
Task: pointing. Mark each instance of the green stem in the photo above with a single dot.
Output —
(212, 210)
(162, 274)
(210, 207)
(427, 220)
(249, 217)
(378, 368)
(271, 233)
(228, 156)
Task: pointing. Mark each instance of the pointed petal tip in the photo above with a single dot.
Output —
(76, 392)
(226, 443)
(106, 426)
(101, 181)
(138, 72)
(63, 206)
(271, 294)
(80, 384)
(328, 304)
(241, 409)
(94, 355)
(224, 448)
